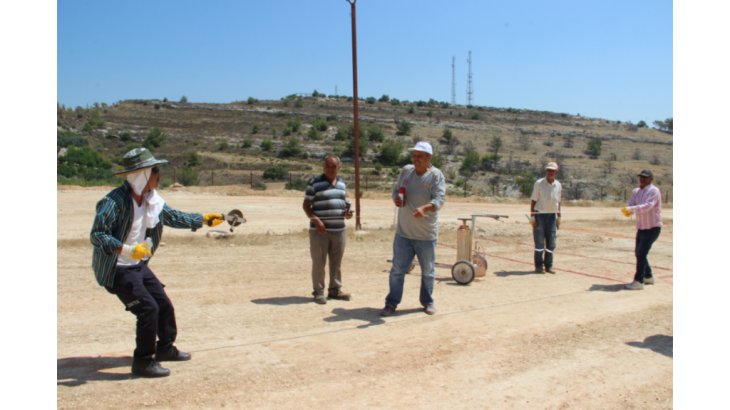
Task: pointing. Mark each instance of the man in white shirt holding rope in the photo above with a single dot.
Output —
(545, 217)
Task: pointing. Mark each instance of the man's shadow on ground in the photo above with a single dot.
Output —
(284, 301)
(75, 371)
(370, 315)
(607, 288)
(504, 274)
(661, 344)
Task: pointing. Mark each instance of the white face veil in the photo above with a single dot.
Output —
(155, 203)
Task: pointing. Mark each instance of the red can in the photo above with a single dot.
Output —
(402, 196)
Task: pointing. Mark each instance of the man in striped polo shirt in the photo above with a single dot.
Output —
(324, 204)
(646, 204)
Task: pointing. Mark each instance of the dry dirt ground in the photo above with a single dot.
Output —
(513, 339)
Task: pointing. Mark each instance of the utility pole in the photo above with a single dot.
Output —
(469, 88)
(354, 100)
(453, 80)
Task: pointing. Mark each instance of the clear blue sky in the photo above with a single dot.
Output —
(601, 59)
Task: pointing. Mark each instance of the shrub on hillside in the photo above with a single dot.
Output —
(320, 124)
(251, 100)
(297, 185)
(314, 134)
(375, 134)
(154, 139)
(332, 117)
(65, 139)
(411, 110)
(267, 145)
(390, 152)
(259, 186)
(341, 134)
(404, 128)
(247, 143)
(370, 100)
(525, 182)
(350, 148)
(594, 147)
(299, 103)
(295, 124)
(125, 136)
(437, 161)
(385, 98)
(223, 145)
(470, 164)
(94, 122)
(189, 177)
(394, 101)
(275, 173)
(447, 135)
(475, 116)
(184, 99)
(378, 166)
(193, 160)
(255, 129)
(291, 148)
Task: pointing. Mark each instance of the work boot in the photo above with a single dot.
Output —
(171, 354)
(148, 368)
(430, 310)
(320, 299)
(648, 281)
(387, 311)
(339, 295)
(538, 269)
(550, 270)
(635, 285)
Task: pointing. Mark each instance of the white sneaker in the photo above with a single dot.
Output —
(648, 281)
(635, 285)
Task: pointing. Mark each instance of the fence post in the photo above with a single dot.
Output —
(212, 178)
(174, 176)
(464, 189)
(601, 194)
(576, 192)
(251, 179)
(86, 177)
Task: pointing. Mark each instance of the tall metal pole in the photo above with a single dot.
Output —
(357, 136)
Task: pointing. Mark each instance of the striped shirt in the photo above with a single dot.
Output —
(113, 221)
(328, 202)
(646, 204)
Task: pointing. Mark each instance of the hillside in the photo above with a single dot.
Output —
(529, 140)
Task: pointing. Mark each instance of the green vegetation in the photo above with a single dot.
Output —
(475, 116)
(84, 163)
(390, 152)
(127, 136)
(291, 149)
(94, 122)
(194, 159)
(320, 124)
(297, 185)
(295, 124)
(471, 163)
(299, 103)
(350, 148)
(404, 128)
(189, 177)
(394, 101)
(666, 125)
(411, 110)
(252, 101)
(66, 138)
(332, 117)
(370, 100)
(267, 145)
(437, 161)
(273, 132)
(594, 147)
(154, 139)
(223, 145)
(447, 135)
(314, 134)
(255, 129)
(526, 181)
(287, 131)
(430, 113)
(275, 173)
(247, 143)
(184, 99)
(259, 186)
(378, 166)
(375, 134)
(385, 98)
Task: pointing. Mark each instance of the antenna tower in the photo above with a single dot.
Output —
(469, 88)
(453, 81)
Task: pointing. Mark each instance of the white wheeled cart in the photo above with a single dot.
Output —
(471, 258)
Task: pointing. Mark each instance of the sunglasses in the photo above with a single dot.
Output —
(156, 170)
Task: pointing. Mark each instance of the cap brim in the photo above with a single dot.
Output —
(413, 149)
(152, 165)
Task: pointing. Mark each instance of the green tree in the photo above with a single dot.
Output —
(378, 166)
(350, 148)
(471, 163)
(295, 124)
(370, 100)
(297, 185)
(291, 148)
(267, 145)
(341, 134)
(314, 134)
(255, 129)
(411, 110)
(275, 173)
(223, 145)
(390, 152)
(320, 124)
(299, 103)
(247, 143)
(447, 135)
(437, 161)
(251, 101)
(404, 128)
(194, 159)
(475, 116)
(189, 177)
(375, 134)
(154, 139)
(184, 99)
(94, 122)
(259, 186)
(430, 112)
(385, 98)
(642, 124)
(594, 147)
(273, 131)
(525, 183)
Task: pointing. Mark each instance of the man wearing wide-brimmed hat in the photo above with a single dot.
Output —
(646, 204)
(126, 232)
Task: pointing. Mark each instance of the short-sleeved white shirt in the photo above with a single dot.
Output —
(547, 196)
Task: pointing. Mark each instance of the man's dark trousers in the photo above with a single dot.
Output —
(545, 234)
(143, 295)
(645, 238)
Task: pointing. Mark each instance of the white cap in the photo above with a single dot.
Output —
(422, 146)
(552, 166)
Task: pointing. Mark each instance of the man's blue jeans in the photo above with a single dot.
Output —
(544, 233)
(644, 239)
(403, 251)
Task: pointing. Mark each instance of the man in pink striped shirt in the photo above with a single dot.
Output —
(646, 204)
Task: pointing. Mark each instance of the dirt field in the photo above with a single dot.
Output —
(513, 339)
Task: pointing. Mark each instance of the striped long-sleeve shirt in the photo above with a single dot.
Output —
(328, 202)
(113, 222)
(646, 204)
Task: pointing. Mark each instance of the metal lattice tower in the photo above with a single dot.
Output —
(453, 81)
(469, 88)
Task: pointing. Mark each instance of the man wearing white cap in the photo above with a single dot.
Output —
(419, 194)
(126, 232)
(545, 217)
